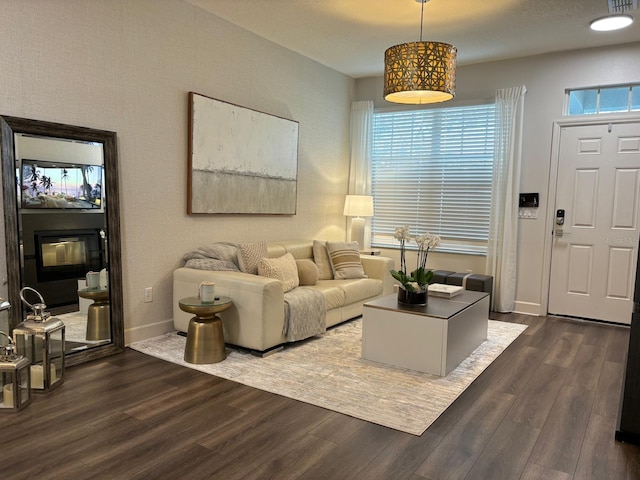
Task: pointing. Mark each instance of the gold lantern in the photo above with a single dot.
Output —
(40, 338)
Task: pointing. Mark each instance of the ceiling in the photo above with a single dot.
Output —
(351, 35)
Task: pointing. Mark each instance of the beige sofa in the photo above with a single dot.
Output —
(257, 317)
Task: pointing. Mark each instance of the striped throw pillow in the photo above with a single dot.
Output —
(345, 260)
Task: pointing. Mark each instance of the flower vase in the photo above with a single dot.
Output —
(412, 298)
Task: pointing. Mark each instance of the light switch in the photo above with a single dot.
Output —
(528, 213)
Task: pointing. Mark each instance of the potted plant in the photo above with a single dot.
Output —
(413, 287)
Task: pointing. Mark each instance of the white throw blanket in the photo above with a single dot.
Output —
(215, 256)
(304, 314)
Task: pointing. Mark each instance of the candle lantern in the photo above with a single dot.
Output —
(15, 392)
(40, 338)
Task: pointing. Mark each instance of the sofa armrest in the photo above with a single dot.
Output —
(256, 319)
(378, 267)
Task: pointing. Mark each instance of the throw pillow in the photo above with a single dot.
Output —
(281, 268)
(308, 272)
(345, 260)
(321, 258)
(250, 255)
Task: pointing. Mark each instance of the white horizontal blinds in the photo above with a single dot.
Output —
(432, 170)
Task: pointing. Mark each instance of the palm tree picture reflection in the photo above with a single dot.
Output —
(56, 185)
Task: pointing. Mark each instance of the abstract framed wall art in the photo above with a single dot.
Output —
(241, 161)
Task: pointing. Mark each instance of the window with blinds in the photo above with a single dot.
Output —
(432, 170)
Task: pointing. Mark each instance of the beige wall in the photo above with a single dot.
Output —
(127, 66)
(546, 78)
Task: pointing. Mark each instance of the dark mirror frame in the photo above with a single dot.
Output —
(12, 125)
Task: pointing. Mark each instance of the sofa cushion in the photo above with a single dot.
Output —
(275, 250)
(250, 254)
(333, 294)
(361, 289)
(345, 260)
(282, 268)
(308, 272)
(321, 258)
(300, 250)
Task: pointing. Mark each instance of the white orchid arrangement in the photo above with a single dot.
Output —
(419, 279)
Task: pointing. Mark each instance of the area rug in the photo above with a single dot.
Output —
(327, 371)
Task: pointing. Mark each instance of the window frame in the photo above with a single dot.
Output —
(632, 87)
(382, 237)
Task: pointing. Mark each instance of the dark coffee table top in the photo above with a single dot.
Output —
(437, 307)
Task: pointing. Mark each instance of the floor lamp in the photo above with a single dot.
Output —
(358, 206)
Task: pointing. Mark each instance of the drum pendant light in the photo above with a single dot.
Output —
(420, 72)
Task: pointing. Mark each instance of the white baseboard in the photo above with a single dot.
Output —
(150, 330)
(528, 308)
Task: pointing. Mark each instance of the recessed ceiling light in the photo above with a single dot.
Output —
(611, 22)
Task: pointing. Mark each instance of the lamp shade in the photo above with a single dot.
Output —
(420, 72)
(358, 206)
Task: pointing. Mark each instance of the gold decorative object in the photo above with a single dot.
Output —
(98, 314)
(205, 337)
(420, 72)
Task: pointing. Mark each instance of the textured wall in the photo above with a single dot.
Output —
(127, 66)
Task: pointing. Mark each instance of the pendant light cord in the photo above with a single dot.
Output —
(422, 18)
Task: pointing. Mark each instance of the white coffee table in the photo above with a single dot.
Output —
(432, 339)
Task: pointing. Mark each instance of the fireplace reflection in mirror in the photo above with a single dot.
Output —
(67, 254)
(57, 265)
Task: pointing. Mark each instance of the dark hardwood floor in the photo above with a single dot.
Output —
(545, 409)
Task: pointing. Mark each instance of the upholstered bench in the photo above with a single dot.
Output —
(473, 282)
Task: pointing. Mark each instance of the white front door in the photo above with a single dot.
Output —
(594, 252)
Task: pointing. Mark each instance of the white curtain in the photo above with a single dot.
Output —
(360, 162)
(503, 229)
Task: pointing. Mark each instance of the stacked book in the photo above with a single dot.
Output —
(446, 291)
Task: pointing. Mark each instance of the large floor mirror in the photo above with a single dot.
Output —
(62, 229)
